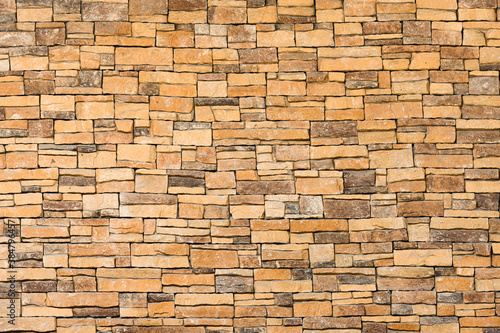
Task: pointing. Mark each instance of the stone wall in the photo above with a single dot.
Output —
(253, 166)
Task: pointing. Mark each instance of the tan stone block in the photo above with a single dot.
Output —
(204, 312)
(442, 112)
(270, 237)
(191, 211)
(323, 152)
(266, 14)
(193, 56)
(94, 110)
(397, 175)
(129, 285)
(312, 309)
(168, 161)
(326, 89)
(320, 254)
(272, 274)
(151, 211)
(100, 159)
(21, 160)
(220, 180)
(203, 299)
(214, 258)
(350, 64)
(281, 88)
(188, 280)
(406, 272)
(295, 153)
(247, 211)
(29, 63)
(160, 261)
(161, 309)
(318, 225)
(398, 158)
(44, 232)
(482, 186)
(330, 15)
(319, 185)
(366, 138)
(416, 87)
(445, 4)
(315, 38)
(131, 111)
(65, 300)
(489, 55)
(15, 101)
(168, 77)
(359, 8)
(42, 324)
(128, 273)
(212, 89)
(278, 113)
(57, 103)
(454, 283)
(119, 85)
(425, 60)
(125, 226)
(151, 183)
(21, 211)
(187, 17)
(175, 39)
(274, 209)
(278, 38)
(76, 250)
(134, 152)
(480, 322)
(30, 274)
(143, 56)
(452, 328)
(201, 137)
(443, 161)
(172, 104)
(12, 88)
(283, 286)
(44, 311)
(393, 110)
(227, 15)
(423, 257)
(377, 224)
(100, 201)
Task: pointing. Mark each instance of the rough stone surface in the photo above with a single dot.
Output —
(258, 166)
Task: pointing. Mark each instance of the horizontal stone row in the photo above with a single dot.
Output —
(253, 11)
(258, 166)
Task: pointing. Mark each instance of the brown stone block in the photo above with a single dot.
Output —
(187, 4)
(438, 183)
(331, 323)
(347, 208)
(421, 208)
(104, 11)
(151, 7)
(258, 56)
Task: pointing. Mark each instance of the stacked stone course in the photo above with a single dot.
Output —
(259, 166)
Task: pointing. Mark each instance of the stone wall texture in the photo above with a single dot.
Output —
(260, 166)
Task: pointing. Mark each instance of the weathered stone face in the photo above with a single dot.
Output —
(259, 166)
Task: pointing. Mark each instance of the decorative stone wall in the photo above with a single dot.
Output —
(253, 166)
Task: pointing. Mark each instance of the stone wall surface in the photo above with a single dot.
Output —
(260, 166)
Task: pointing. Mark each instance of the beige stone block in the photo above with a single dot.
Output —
(135, 152)
(201, 137)
(396, 158)
(418, 257)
